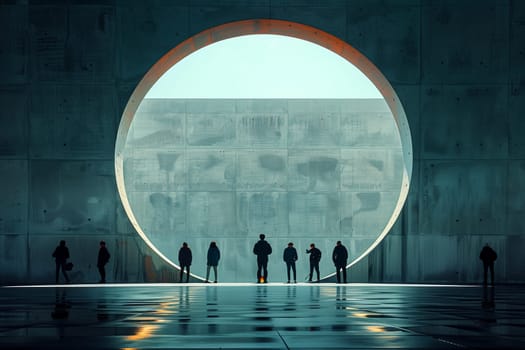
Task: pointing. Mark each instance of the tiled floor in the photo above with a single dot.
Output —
(273, 316)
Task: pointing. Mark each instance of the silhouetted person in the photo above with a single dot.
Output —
(102, 260)
(262, 249)
(185, 261)
(290, 257)
(488, 256)
(61, 254)
(61, 306)
(488, 302)
(340, 257)
(315, 257)
(214, 254)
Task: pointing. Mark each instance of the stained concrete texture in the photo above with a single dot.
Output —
(302, 171)
(274, 316)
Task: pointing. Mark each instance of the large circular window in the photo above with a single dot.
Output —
(263, 126)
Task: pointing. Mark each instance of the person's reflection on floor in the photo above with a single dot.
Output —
(315, 304)
(291, 298)
(261, 302)
(262, 310)
(488, 301)
(488, 305)
(61, 306)
(212, 309)
(102, 313)
(340, 298)
(184, 309)
(315, 294)
(291, 305)
(60, 311)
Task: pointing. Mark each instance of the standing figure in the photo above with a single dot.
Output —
(185, 261)
(488, 256)
(340, 257)
(262, 249)
(214, 254)
(315, 257)
(61, 254)
(290, 257)
(103, 258)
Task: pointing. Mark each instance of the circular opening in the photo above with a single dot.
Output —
(263, 126)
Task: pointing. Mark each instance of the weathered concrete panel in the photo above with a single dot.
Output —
(261, 170)
(14, 44)
(432, 258)
(463, 198)
(211, 170)
(515, 205)
(128, 256)
(464, 122)
(385, 262)
(14, 261)
(217, 130)
(362, 213)
(517, 80)
(168, 221)
(517, 121)
(390, 38)
(262, 212)
(313, 213)
(14, 190)
(313, 171)
(13, 123)
(211, 213)
(72, 197)
(74, 42)
(309, 129)
(262, 129)
(205, 17)
(325, 14)
(517, 44)
(465, 43)
(511, 257)
(371, 170)
(156, 171)
(147, 31)
(72, 122)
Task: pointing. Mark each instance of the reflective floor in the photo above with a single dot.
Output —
(273, 316)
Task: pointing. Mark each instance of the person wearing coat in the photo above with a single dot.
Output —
(185, 261)
(214, 255)
(61, 254)
(262, 249)
(290, 257)
(488, 256)
(102, 260)
(340, 257)
(315, 258)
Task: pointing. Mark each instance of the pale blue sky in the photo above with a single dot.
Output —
(263, 66)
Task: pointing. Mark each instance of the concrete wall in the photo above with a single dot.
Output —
(67, 69)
